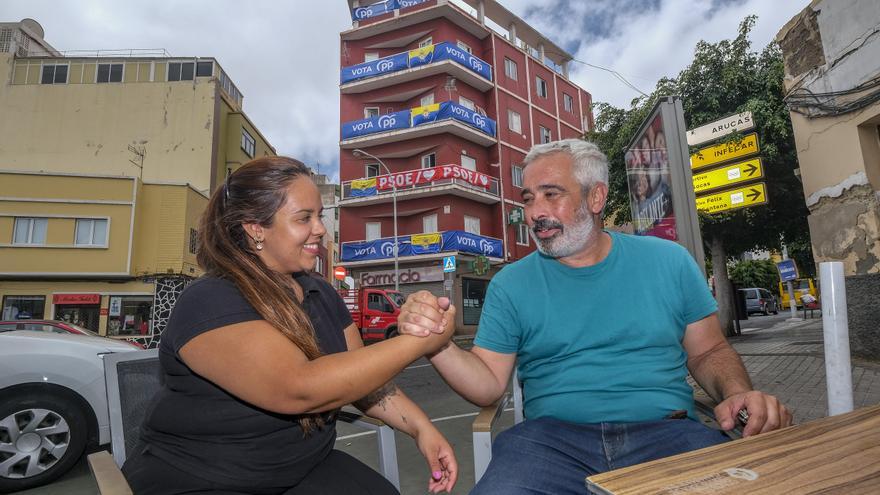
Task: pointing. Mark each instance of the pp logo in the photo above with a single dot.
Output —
(485, 246)
(387, 121)
(385, 65)
(387, 249)
(476, 64)
(478, 120)
(361, 13)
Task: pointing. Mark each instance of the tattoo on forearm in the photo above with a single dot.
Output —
(378, 397)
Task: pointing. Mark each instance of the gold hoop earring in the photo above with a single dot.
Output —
(259, 245)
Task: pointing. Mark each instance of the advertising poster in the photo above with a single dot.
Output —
(650, 183)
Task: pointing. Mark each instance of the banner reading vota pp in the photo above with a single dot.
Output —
(378, 8)
(372, 125)
(374, 68)
(375, 250)
(449, 109)
(457, 240)
(448, 51)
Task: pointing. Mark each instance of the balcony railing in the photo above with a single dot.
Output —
(415, 117)
(444, 177)
(421, 244)
(416, 58)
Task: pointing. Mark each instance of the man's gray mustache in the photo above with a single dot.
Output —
(545, 224)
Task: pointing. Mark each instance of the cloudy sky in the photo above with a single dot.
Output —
(284, 54)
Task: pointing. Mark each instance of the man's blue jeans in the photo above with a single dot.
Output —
(550, 456)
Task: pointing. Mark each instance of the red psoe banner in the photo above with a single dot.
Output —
(412, 178)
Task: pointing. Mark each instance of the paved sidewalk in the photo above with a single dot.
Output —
(787, 360)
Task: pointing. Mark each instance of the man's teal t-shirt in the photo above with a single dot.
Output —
(600, 343)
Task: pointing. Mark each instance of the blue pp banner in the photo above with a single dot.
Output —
(374, 68)
(382, 123)
(457, 240)
(375, 250)
(449, 51)
(378, 8)
(450, 110)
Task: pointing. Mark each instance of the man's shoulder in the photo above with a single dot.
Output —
(648, 245)
(523, 267)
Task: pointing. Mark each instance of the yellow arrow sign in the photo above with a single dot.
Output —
(711, 155)
(726, 176)
(755, 194)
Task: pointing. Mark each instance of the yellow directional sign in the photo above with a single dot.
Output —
(711, 155)
(755, 194)
(729, 175)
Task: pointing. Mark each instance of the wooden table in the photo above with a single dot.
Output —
(839, 454)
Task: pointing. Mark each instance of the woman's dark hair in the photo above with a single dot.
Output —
(253, 194)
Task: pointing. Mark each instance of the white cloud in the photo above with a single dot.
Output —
(284, 56)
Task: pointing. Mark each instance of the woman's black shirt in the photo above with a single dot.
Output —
(200, 428)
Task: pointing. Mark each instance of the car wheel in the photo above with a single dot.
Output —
(764, 310)
(41, 437)
(391, 333)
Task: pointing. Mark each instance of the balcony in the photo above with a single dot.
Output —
(442, 58)
(428, 120)
(422, 183)
(419, 247)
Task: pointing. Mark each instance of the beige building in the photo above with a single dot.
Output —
(832, 83)
(107, 160)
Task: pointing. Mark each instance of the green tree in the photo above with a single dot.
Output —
(724, 78)
(755, 273)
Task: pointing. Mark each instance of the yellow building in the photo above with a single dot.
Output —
(106, 164)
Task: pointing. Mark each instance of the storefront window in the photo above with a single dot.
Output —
(473, 295)
(23, 307)
(129, 315)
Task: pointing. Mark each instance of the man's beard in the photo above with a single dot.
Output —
(570, 240)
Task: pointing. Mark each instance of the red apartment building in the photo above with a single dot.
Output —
(439, 104)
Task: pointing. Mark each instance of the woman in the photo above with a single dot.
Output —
(258, 356)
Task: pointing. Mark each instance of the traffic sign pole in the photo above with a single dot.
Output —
(792, 304)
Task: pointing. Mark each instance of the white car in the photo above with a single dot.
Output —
(53, 402)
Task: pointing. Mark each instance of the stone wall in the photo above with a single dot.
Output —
(863, 309)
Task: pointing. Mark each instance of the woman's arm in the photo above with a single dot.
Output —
(256, 363)
(392, 406)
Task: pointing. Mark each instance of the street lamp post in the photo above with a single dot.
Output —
(362, 153)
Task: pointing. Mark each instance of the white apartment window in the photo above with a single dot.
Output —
(54, 74)
(204, 69)
(426, 42)
(370, 56)
(463, 46)
(429, 223)
(517, 172)
(370, 112)
(181, 71)
(109, 73)
(319, 265)
(427, 99)
(429, 160)
(374, 231)
(510, 68)
(467, 103)
(472, 224)
(91, 232)
(371, 170)
(469, 162)
(522, 234)
(30, 231)
(546, 137)
(541, 87)
(567, 102)
(248, 145)
(514, 123)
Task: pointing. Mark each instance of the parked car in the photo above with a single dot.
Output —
(51, 326)
(760, 301)
(53, 403)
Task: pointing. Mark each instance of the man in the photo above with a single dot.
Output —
(603, 328)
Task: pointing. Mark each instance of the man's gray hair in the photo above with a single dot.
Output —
(590, 164)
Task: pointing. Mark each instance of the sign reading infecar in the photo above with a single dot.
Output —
(723, 152)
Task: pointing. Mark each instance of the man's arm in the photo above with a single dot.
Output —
(717, 367)
(478, 375)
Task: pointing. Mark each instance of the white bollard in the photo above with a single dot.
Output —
(838, 371)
